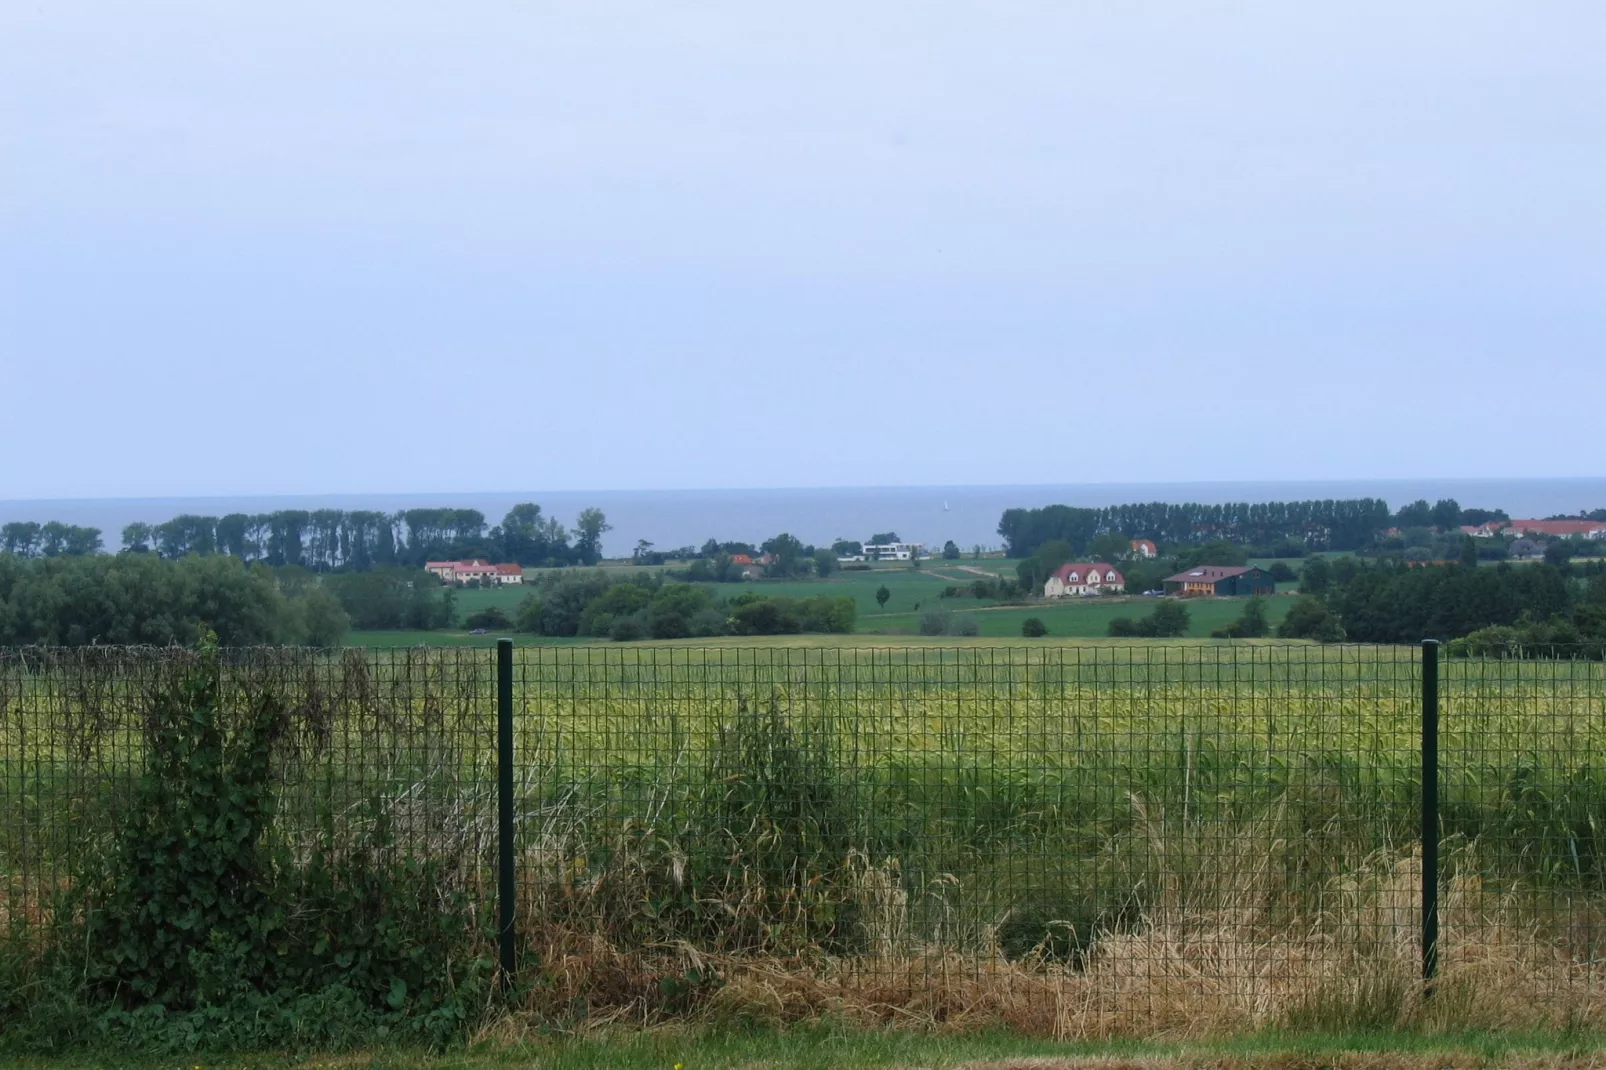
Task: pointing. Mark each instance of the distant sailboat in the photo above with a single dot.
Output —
(945, 505)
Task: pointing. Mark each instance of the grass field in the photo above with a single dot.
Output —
(824, 1048)
(913, 592)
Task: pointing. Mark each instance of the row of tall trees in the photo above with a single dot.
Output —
(341, 540)
(51, 539)
(1331, 524)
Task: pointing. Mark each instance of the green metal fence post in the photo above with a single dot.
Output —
(504, 807)
(1430, 814)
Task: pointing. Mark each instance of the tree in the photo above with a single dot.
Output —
(785, 549)
(1419, 514)
(881, 538)
(589, 528)
(1109, 547)
(1170, 620)
(20, 538)
(1310, 618)
(1558, 552)
(1316, 576)
(1033, 628)
(824, 563)
(950, 551)
(1282, 572)
(643, 548)
(1469, 552)
(847, 548)
(1446, 514)
(882, 595)
(137, 538)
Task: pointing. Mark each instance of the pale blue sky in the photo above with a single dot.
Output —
(365, 247)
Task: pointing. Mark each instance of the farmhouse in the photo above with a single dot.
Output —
(895, 551)
(1221, 580)
(464, 571)
(1144, 548)
(1083, 579)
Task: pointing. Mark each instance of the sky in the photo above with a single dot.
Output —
(378, 247)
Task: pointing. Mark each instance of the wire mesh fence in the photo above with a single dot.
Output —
(1119, 837)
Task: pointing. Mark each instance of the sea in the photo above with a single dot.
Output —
(930, 514)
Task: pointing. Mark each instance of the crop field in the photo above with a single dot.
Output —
(1086, 840)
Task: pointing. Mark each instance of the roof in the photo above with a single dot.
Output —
(510, 569)
(1081, 568)
(1556, 527)
(1143, 544)
(741, 559)
(1209, 573)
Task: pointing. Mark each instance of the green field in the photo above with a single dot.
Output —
(913, 592)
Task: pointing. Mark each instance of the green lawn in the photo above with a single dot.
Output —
(829, 1048)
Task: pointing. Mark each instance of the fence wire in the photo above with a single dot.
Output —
(1131, 835)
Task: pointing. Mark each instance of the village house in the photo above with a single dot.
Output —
(895, 551)
(1144, 548)
(1083, 579)
(460, 572)
(1221, 580)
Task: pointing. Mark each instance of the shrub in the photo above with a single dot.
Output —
(1033, 628)
(935, 622)
(491, 619)
(626, 630)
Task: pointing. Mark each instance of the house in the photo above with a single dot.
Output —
(1083, 579)
(895, 551)
(1221, 581)
(741, 559)
(1144, 548)
(1559, 529)
(476, 569)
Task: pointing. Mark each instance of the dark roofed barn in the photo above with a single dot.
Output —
(1221, 580)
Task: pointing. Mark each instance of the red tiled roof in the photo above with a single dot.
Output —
(741, 559)
(509, 569)
(1064, 571)
(1144, 544)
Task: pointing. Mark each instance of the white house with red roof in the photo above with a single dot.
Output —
(1145, 548)
(476, 569)
(1083, 579)
(1558, 529)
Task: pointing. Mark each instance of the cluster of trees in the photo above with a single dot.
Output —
(1168, 620)
(386, 598)
(642, 607)
(1443, 515)
(335, 540)
(1391, 602)
(1326, 524)
(51, 539)
(141, 599)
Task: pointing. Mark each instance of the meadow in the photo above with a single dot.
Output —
(912, 591)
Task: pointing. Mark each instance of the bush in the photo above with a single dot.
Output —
(935, 622)
(1282, 572)
(626, 630)
(1309, 618)
(1168, 621)
(1033, 628)
(491, 619)
(1251, 625)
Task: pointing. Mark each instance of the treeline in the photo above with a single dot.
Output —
(141, 599)
(337, 540)
(648, 607)
(52, 539)
(1390, 602)
(1328, 524)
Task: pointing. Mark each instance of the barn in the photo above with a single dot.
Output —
(1221, 580)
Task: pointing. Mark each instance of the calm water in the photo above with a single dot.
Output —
(968, 515)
